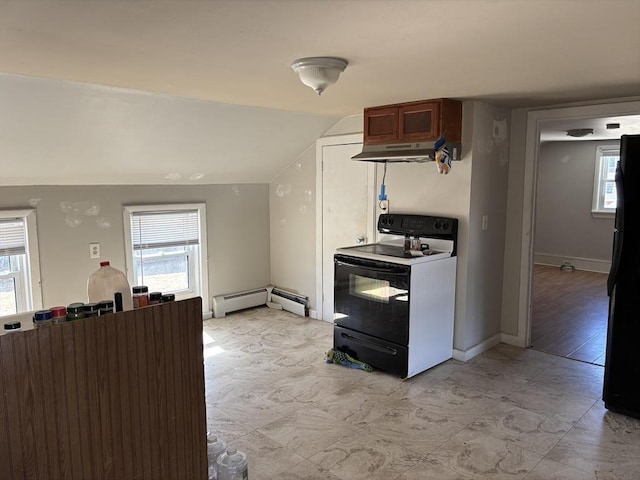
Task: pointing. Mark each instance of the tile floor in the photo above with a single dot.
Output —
(508, 413)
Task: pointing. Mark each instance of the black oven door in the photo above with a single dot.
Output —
(372, 297)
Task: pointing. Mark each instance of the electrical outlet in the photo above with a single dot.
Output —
(384, 206)
(94, 250)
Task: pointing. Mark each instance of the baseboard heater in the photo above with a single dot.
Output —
(223, 304)
(272, 296)
(289, 301)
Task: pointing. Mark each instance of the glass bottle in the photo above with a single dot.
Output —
(140, 296)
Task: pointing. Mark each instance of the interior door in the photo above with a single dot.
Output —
(347, 209)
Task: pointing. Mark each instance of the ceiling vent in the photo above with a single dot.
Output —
(579, 132)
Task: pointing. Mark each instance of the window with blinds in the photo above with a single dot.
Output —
(166, 248)
(19, 263)
(151, 230)
(12, 237)
(604, 185)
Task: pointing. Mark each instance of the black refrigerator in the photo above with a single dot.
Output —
(621, 391)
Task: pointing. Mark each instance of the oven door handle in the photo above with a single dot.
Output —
(370, 345)
(387, 270)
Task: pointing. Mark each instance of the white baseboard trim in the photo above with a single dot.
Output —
(207, 315)
(466, 355)
(313, 314)
(514, 340)
(588, 264)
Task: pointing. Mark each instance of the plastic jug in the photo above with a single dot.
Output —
(233, 465)
(105, 282)
(215, 448)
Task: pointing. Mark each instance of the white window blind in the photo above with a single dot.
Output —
(604, 186)
(12, 237)
(164, 229)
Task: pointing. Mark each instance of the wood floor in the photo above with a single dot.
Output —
(570, 313)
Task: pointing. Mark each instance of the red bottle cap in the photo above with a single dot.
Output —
(104, 264)
(59, 311)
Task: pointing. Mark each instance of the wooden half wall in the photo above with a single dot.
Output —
(115, 397)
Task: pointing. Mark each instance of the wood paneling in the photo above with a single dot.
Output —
(114, 397)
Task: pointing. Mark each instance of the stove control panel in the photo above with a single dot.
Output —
(420, 225)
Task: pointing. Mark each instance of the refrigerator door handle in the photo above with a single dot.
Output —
(618, 234)
(619, 222)
(615, 262)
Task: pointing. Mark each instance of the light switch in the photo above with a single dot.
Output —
(485, 222)
(94, 250)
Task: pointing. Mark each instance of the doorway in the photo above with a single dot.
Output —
(572, 242)
(534, 124)
(345, 210)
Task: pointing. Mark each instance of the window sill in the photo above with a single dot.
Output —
(600, 214)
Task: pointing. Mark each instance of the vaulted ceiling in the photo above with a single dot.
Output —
(514, 53)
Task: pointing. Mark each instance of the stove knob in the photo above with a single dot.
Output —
(437, 225)
(445, 226)
(390, 220)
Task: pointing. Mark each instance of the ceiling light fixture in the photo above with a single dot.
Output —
(319, 72)
(580, 132)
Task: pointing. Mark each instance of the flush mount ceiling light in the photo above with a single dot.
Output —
(319, 72)
(580, 132)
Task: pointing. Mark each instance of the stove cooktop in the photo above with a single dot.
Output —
(437, 236)
(390, 250)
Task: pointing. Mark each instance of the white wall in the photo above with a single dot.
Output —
(292, 205)
(511, 275)
(292, 199)
(489, 180)
(65, 133)
(564, 225)
(237, 232)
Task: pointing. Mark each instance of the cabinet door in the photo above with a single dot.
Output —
(380, 125)
(419, 122)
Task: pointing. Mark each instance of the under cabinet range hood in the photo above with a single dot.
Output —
(404, 152)
(409, 132)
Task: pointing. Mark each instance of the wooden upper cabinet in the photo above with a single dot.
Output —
(422, 121)
(418, 121)
(380, 124)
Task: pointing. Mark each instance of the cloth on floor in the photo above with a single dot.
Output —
(336, 356)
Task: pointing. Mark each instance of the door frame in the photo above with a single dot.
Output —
(334, 140)
(532, 150)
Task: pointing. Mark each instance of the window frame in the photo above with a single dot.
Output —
(20, 297)
(193, 273)
(202, 273)
(29, 289)
(599, 181)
